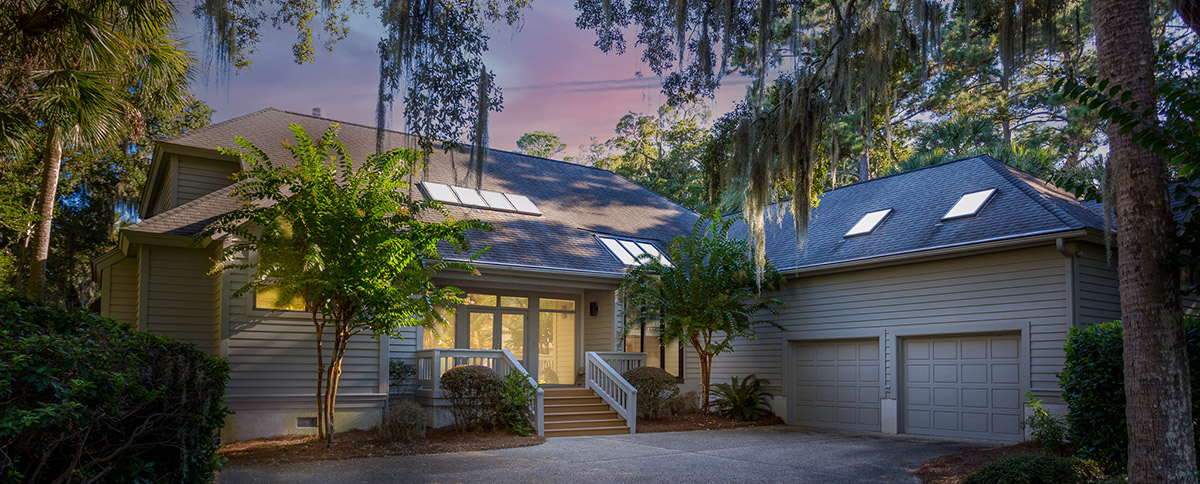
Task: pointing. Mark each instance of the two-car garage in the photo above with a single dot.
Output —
(963, 386)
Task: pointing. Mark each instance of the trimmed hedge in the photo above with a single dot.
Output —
(1037, 469)
(85, 398)
(1093, 382)
(656, 388)
(473, 391)
(404, 421)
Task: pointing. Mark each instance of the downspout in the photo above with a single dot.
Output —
(1069, 281)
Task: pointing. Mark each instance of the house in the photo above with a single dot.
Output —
(907, 312)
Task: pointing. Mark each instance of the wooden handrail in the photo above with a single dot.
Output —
(612, 388)
(432, 363)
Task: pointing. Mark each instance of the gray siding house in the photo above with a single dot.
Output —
(907, 322)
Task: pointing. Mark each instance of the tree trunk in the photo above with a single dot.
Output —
(320, 330)
(45, 209)
(705, 373)
(1157, 386)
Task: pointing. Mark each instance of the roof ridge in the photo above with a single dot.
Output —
(1005, 171)
(204, 129)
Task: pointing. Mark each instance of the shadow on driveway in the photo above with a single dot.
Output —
(756, 454)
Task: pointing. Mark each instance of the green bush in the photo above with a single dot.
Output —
(655, 389)
(744, 400)
(1044, 427)
(684, 403)
(405, 421)
(85, 398)
(1093, 382)
(1037, 469)
(400, 376)
(513, 405)
(473, 391)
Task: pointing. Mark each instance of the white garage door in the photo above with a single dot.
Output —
(963, 387)
(837, 384)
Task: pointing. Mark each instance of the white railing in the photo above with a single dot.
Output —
(621, 361)
(432, 363)
(612, 388)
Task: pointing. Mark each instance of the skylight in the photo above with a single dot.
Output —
(969, 204)
(630, 252)
(868, 222)
(470, 197)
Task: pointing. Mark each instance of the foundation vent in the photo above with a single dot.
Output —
(306, 422)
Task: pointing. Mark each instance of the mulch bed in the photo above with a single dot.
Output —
(356, 444)
(953, 468)
(699, 421)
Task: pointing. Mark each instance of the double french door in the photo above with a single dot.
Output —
(497, 330)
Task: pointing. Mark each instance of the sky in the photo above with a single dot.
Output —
(553, 78)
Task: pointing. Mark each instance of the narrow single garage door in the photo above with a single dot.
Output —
(837, 384)
(963, 387)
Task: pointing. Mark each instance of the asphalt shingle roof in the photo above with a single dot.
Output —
(1022, 205)
(576, 201)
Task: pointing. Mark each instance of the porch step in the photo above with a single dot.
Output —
(575, 411)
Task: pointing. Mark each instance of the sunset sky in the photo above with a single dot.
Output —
(553, 78)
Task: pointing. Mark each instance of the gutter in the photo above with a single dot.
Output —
(560, 271)
(976, 245)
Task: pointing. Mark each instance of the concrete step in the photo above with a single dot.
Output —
(576, 407)
(592, 431)
(587, 424)
(559, 417)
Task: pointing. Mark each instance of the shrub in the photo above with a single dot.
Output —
(744, 400)
(87, 398)
(1046, 428)
(512, 408)
(405, 421)
(1037, 469)
(400, 376)
(472, 391)
(655, 389)
(685, 403)
(1093, 382)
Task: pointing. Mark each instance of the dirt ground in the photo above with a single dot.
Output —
(699, 421)
(368, 443)
(953, 468)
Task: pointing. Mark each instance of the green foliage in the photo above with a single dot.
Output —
(473, 391)
(1037, 469)
(661, 152)
(88, 398)
(1046, 428)
(399, 370)
(707, 296)
(656, 390)
(687, 402)
(404, 421)
(1093, 383)
(744, 400)
(540, 143)
(297, 218)
(513, 406)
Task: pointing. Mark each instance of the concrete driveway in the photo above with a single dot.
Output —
(764, 454)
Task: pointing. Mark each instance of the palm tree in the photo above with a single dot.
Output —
(82, 73)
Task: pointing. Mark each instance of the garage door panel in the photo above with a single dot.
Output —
(837, 384)
(967, 386)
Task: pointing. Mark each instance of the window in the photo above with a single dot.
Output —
(970, 204)
(556, 341)
(470, 197)
(481, 300)
(267, 297)
(630, 252)
(868, 223)
(440, 334)
(667, 356)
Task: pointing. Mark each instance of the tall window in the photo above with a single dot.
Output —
(556, 341)
(667, 356)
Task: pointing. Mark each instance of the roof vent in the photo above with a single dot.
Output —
(970, 204)
(317, 112)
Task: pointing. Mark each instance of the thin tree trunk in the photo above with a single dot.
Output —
(705, 373)
(320, 376)
(41, 235)
(1157, 386)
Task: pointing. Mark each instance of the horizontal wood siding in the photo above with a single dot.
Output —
(273, 358)
(1098, 298)
(600, 331)
(1005, 288)
(404, 347)
(166, 194)
(180, 291)
(198, 177)
(122, 291)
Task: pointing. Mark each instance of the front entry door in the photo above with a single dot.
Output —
(495, 330)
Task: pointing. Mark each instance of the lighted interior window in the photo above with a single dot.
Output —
(440, 192)
(268, 297)
(868, 223)
(481, 299)
(556, 304)
(440, 334)
(970, 204)
(514, 302)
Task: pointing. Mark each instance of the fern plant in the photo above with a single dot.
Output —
(744, 400)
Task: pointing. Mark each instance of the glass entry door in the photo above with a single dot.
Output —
(495, 330)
